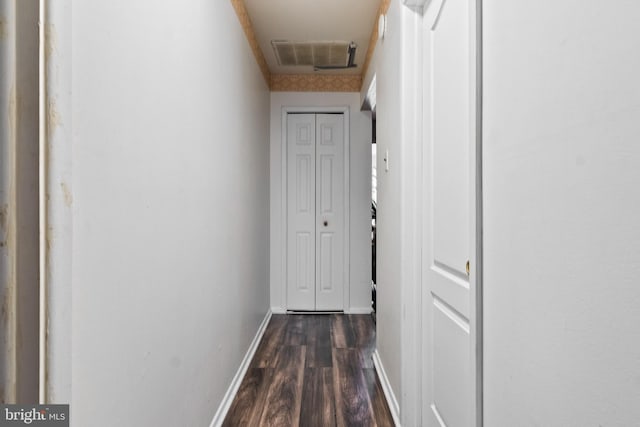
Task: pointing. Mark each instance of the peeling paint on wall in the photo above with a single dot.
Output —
(4, 209)
(8, 317)
(53, 118)
(9, 301)
(66, 192)
(50, 41)
(48, 242)
(4, 310)
(7, 309)
(3, 28)
(4, 222)
(11, 111)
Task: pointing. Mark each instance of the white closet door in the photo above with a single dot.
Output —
(315, 212)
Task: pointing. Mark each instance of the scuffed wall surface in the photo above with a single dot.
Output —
(56, 227)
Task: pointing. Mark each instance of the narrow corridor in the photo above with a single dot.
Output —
(312, 370)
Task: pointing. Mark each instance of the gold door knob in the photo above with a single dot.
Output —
(467, 267)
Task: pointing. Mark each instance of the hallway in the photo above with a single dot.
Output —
(312, 370)
(176, 177)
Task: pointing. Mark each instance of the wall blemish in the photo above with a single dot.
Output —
(6, 306)
(3, 28)
(11, 111)
(8, 318)
(50, 41)
(4, 219)
(3, 228)
(66, 192)
(48, 242)
(53, 118)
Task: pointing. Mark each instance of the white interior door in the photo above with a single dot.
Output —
(450, 328)
(315, 211)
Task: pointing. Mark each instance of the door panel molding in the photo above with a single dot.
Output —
(304, 261)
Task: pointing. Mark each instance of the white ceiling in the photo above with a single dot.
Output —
(312, 20)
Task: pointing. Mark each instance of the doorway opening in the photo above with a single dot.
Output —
(19, 202)
(374, 208)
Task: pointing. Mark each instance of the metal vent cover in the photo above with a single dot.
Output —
(311, 53)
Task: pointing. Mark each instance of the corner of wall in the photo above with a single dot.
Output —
(231, 392)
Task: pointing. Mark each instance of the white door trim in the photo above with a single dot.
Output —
(476, 206)
(283, 182)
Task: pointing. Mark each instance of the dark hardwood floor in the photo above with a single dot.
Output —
(312, 370)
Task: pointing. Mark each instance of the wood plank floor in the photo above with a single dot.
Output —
(312, 370)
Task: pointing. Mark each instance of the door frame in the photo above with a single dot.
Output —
(477, 205)
(344, 110)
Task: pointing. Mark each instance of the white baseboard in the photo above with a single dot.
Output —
(358, 310)
(221, 413)
(353, 310)
(386, 388)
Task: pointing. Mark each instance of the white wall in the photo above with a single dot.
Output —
(170, 133)
(398, 218)
(56, 202)
(561, 209)
(359, 192)
(388, 127)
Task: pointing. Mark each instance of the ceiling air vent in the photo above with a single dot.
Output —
(321, 55)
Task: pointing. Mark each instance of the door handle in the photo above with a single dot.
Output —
(467, 267)
(326, 223)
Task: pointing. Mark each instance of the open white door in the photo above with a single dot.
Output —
(315, 212)
(450, 326)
